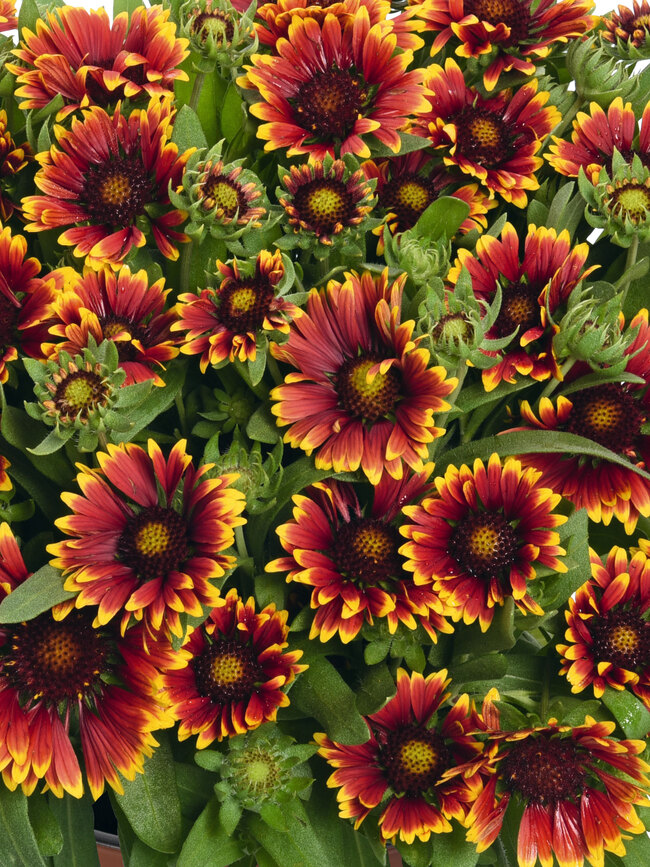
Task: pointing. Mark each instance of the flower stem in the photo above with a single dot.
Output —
(186, 261)
(182, 418)
(242, 550)
(196, 90)
(273, 369)
(553, 382)
(101, 441)
(630, 260)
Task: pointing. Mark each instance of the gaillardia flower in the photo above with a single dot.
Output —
(481, 537)
(400, 768)
(78, 54)
(237, 668)
(577, 785)
(509, 33)
(12, 160)
(608, 632)
(362, 393)
(223, 322)
(493, 139)
(107, 176)
(330, 85)
(63, 682)
(147, 536)
(351, 560)
(5, 481)
(122, 307)
(8, 19)
(628, 29)
(533, 286)
(596, 135)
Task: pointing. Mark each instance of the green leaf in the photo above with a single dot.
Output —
(232, 113)
(442, 218)
(637, 851)
(629, 712)
(484, 667)
(500, 635)
(376, 651)
(297, 846)
(128, 6)
(19, 846)
(262, 427)
(160, 399)
(28, 15)
(195, 788)
(273, 816)
(44, 824)
(76, 820)
(322, 693)
(229, 815)
(188, 131)
(415, 854)
(37, 594)
(150, 802)
(54, 441)
(453, 849)
(207, 844)
(408, 143)
(143, 856)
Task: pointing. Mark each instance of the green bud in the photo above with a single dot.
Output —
(218, 33)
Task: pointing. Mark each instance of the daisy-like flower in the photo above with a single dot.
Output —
(147, 536)
(12, 160)
(482, 536)
(351, 560)
(608, 633)
(629, 28)
(596, 135)
(24, 301)
(492, 139)
(8, 18)
(515, 36)
(5, 481)
(330, 85)
(237, 669)
(400, 768)
(361, 394)
(122, 307)
(325, 199)
(578, 787)
(533, 285)
(58, 676)
(223, 322)
(107, 176)
(78, 54)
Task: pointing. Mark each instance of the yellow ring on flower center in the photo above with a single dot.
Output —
(79, 393)
(226, 669)
(604, 415)
(152, 539)
(413, 195)
(624, 639)
(483, 542)
(417, 757)
(115, 190)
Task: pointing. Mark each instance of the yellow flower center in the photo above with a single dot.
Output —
(608, 414)
(59, 652)
(365, 551)
(152, 539)
(452, 329)
(115, 189)
(417, 757)
(79, 393)
(243, 299)
(368, 399)
(227, 668)
(483, 542)
(604, 415)
(631, 201)
(325, 201)
(373, 542)
(485, 132)
(624, 639)
(413, 195)
(222, 195)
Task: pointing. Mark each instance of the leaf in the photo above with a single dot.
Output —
(207, 844)
(54, 441)
(232, 113)
(408, 143)
(127, 6)
(160, 399)
(297, 846)
(143, 856)
(195, 788)
(637, 851)
(376, 651)
(442, 218)
(415, 854)
(28, 15)
(453, 849)
(262, 427)
(150, 802)
(19, 847)
(322, 693)
(45, 826)
(188, 132)
(629, 712)
(229, 815)
(76, 821)
(37, 594)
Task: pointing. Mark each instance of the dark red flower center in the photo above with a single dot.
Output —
(214, 23)
(483, 137)
(483, 544)
(622, 638)
(153, 543)
(116, 191)
(607, 414)
(8, 321)
(113, 326)
(519, 307)
(367, 399)
(414, 759)
(223, 195)
(226, 671)
(514, 13)
(329, 104)
(79, 393)
(365, 551)
(243, 304)
(56, 660)
(408, 197)
(544, 770)
(325, 206)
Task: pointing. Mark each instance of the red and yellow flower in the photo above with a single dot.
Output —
(493, 139)
(104, 179)
(8, 18)
(331, 84)
(61, 675)
(12, 160)
(5, 481)
(608, 633)
(533, 286)
(628, 27)
(400, 768)
(515, 36)
(362, 393)
(480, 539)
(238, 667)
(123, 307)
(147, 536)
(78, 54)
(351, 560)
(595, 136)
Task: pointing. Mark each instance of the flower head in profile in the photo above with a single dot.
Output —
(67, 688)
(577, 785)
(107, 176)
(412, 742)
(362, 393)
(351, 560)
(120, 306)
(78, 54)
(494, 139)
(482, 537)
(222, 33)
(13, 158)
(224, 321)
(146, 536)
(628, 29)
(608, 634)
(238, 666)
(330, 84)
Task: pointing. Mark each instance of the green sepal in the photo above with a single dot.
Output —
(629, 712)
(210, 760)
(274, 816)
(37, 594)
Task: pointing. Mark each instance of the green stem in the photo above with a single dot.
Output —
(182, 418)
(553, 382)
(546, 689)
(102, 441)
(196, 90)
(240, 541)
(630, 260)
(186, 261)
